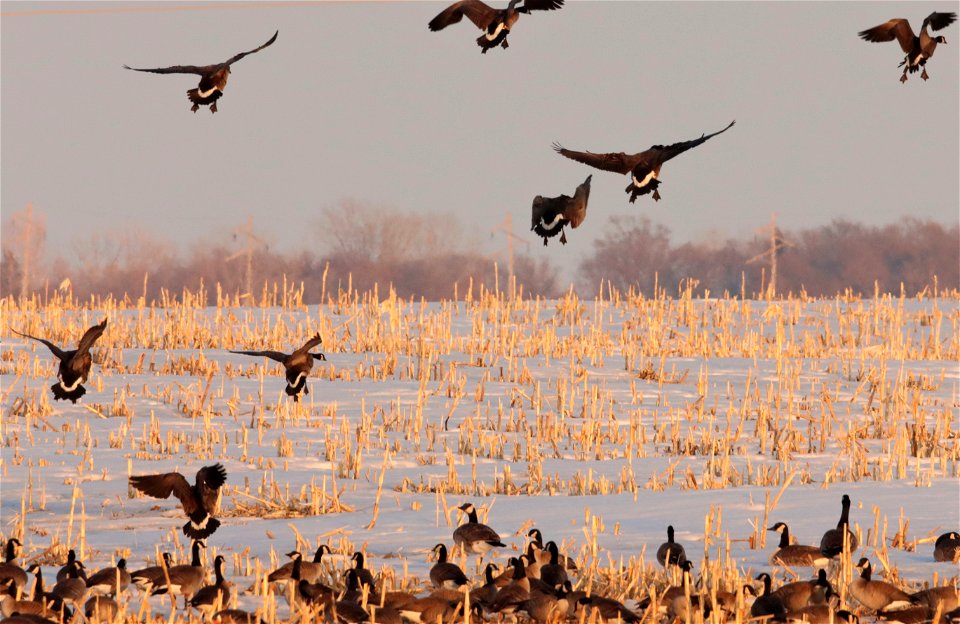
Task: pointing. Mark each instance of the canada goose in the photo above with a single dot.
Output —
(795, 555)
(74, 365)
(101, 608)
(726, 601)
(73, 589)
(820, 614)
(486, 593)
(9, 570)
(52, 602)
(553, 573)
(946, 548)
(441, 606)
(310, 571)
(670, 552)
(510, 598)
(297, 365)
(801, 594)
(918, 49)
(919, 614)
(552, 214)
(110, 581)
(544, 607)
(496, 23)
(608, 609)
(348, 610)
(214, 597)
(831, 544)
(146, 578)
(644, 167)
(444, 573)
(235, 616)
(543, 556)
(64, 571)
(310, 593)
(876, 595)
(474, 537)
(364, 576)
(674, 600)
(185, 580)
(213, 78)
(943, 598)
(10, 605)
(767, 603)
(199, 501)
(24, 618)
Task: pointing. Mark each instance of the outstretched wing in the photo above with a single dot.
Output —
(577, 210)
(57, 351)
(90, 336)
(236, 58)
(540, 5)
(618, 162)
(897, 28)
(175, 69)
(273, 355)
(310, 343)
(666, 153)
(209, 481)
(476, 11)
(162, 485)
(940, 20)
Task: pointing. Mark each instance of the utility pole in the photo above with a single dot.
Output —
(254, 242)
(777, 242)
(506, 228)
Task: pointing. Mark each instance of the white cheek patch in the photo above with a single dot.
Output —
(642, 183)
(552, 224)
(491, 37)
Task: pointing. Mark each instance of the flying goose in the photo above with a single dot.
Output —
(185, 580)
(670, 552)
(146, 578)
(795, 555)
(199, 501)
(644, 167)
(551, 214)
(110, 581)
(214, 597)
(310, 571)
(473, 536)
(877, 595)
(297, 364)
(947, 547)
(495, 23)
(74, 365)
(918, 49)
(831, 544)
(213, 78)
(10, 571)
(445, 574)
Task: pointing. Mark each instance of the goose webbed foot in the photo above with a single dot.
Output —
(504, 45)
(195, 108)
(213, 107)
(563, 237)
(545, 239)
(924, 74)
(903, 78)
(656, 194)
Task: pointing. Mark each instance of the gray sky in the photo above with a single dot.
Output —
(360, 100)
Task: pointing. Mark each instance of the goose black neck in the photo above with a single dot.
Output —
(554, 553)
(865, 572)
(844, 513)
(472, 516)
(785, 538)
(317, 556)
(195, 562)
(766, 584)
(670, 534)
(218, 570)
(441, 553)
(11, 550)
(519, 572)
(295, 572)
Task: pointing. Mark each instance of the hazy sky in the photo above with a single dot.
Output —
(359, 100)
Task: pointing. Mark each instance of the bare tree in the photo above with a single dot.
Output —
(24, 236)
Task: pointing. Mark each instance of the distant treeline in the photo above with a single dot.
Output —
(426, 256)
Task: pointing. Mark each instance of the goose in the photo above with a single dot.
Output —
(74, 365)
(801, 594)
(670, 552)
(510, 598)
(485, 594)
(553, 573)
(643, 167)
(608, 609)
(73, 589)
(495, 23)
(920, 49)
(364, 576)
(440, 606)
(445, 574)
(727, 601)
(795, 555)
(348, 609)
(946, 548)
(101, 608)
(10, 605)
(943, 598)
(199, 501)
(146, 578)
(10, 571)
(546, 607)
(820, 614)
(297, 365)
(110, 581)
(54, 603)
(21, 618)
(235, 616)
(876, 595)
(908, 615)
(473, 536)
(310, 571)
(310, 593)
(213, 78)
(767, 603)
(64, 572)
(552, 214)
(674, 600)
(214, 597)
(536, 539)
(831, 544)
(184, 580)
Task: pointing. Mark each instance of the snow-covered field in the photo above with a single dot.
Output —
(599, 422)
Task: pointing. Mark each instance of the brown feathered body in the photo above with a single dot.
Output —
(918, 48)
(74, 365)
(496, 24)
(297, 365)
(199, 501)
(552, 214)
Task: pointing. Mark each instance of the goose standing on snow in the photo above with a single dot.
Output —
(74, 365)
(877, 595)
(185, 580)
(918, 49)
(670, 552)
(795, 555)
(446, 574)
(297, 365)
(552, 214)
(10, 571)
(831, 544)
(213, 78)
(495, 23)
(199, 501)
(644, 167)
(473, 536)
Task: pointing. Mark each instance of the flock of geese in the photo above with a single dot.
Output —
(541, 585)
(550, 215)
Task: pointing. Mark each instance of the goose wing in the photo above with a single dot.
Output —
(940, 20)
(618, 162)
(209, 481)
(237, 57)
(273, 355)
(577, 208)
(545, 209)
(163, 485)
(476, 11)
(176, 69)
(540, 5)
(57, 351)
(897, 28)
(314, 341)
(90, 336)
(670, 151)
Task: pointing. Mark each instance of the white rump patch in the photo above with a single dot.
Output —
(642, 183)
(201, 525)
(73, 387)
(206, 93)
(552, 224)
(296, 382)
(491, 37)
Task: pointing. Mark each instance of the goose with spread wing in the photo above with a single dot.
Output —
(213, 78)
(297, 364)
(644, 167)
(495, 23)
(552, 214)
(918, 49)
(199, 501)
(74, 365)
